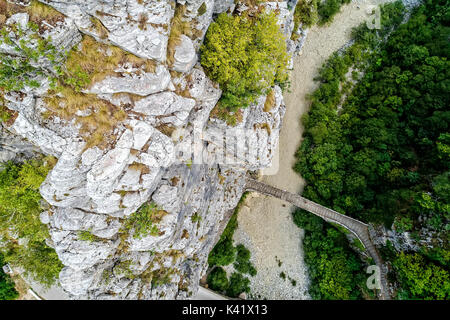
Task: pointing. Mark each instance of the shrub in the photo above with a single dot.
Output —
(39, 261)
(238, 285)
(217, 279)
(21, 70)
(223, 254)
(20, 198)
(86, 236)
(143, 221)
(328, 9)
(305, 13)
(243, 264)
(19, 216)
(246, 56)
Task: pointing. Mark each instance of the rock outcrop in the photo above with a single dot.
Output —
(93, 189)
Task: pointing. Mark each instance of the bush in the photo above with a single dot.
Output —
(305, 13)
(20, 198)
(246, 56)
(327, 9)
(19, 216)
(39, 261)
(21, 70)
(87, 236)
(243, 264)
(217, 280)
(238, 284)
(202, 9)
(223, 254)
(144, 221)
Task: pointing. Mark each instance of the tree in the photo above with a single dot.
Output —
(217, 279)
(243, 264)
(20, 208)
(246, 56)
(238, 285)
(224, 253)
(421, 279)
(38, 260)
(7, 289)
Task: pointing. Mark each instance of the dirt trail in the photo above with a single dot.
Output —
(265, 223)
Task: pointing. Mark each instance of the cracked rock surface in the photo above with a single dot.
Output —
(96, 189)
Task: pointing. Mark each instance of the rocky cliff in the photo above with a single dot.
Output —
(164, 150)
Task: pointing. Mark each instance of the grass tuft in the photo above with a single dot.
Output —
(178, 27)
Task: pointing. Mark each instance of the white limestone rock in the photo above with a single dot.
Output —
(140, 28)
(76, 282)
(142, 84)
(166, 197)
(185, 55)
(20, 19)
(165, 107)
(76, 220)
(48, 141)
(252, 143)
(81, 254)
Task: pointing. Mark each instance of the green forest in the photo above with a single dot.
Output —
(377, 147)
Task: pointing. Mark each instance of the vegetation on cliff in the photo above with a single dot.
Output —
(144, 221)
(225, 253)
(376, 145)
(23, 233)
(246, 56)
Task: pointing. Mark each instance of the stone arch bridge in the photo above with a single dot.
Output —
(358, 228)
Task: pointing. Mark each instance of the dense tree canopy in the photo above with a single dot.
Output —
(376, 146)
